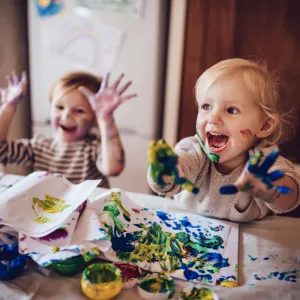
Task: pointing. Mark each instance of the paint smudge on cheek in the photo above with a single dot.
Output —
(247, 133)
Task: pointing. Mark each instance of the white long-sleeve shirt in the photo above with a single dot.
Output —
(241, 207)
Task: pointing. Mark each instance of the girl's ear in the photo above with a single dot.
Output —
(268, 127)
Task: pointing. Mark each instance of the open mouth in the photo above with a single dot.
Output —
(68, 129)
(217, 142)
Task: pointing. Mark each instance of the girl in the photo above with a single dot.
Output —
(79, 101)
(238, 116)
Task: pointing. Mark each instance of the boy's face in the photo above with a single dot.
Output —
(71, 116)
(228, 121)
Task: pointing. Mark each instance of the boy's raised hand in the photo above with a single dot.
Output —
(256, 180)
(15, 90)
(108, 98)
(163, 167)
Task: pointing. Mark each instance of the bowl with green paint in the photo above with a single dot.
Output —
(197, 293)
(101, 281)
(156, 286)
(70, 266)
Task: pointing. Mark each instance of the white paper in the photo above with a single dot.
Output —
(17, 208)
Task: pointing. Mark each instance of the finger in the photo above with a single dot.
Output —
(9, 80)
(14, 77)
(117, 82)
(254, 161)
(24, 77)
(124, 88)
(88, 94)
(283, 189)
(228, 189)
(268, 162)
(125, 98)
(275, 175)
(104, 83)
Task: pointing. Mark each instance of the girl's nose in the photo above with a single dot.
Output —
(66, 114)
(215, 119)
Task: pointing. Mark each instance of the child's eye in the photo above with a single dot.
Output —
(59, 107)
(233, 110)
(205, 107)
(79, 111)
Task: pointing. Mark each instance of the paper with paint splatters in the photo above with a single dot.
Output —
(187, 246)
(41, 202)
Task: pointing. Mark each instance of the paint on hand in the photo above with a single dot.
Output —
(157, 284)
(163, 162)
(195, 293)
(211, 156)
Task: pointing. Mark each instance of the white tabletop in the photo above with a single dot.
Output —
(266, 246)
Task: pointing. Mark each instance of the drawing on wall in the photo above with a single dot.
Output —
(133, 8)
(47, 8)
(91, 43)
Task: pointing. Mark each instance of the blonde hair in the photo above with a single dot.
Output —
(73, 80)
(261, 83)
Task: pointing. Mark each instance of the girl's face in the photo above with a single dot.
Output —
(71, 116)
(228, 122)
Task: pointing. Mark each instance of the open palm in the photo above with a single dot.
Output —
(256, 180)
(107, 99)
(15, 89)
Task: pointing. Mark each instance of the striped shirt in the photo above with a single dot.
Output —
(77, 161)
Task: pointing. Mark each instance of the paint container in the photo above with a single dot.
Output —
(156, 286)
(197, 293)
(70, 266)
(12, 263)
(130, 275)
(101, 281)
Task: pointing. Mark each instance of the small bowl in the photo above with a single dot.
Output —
(197, 293)
(156, 286)
(70, 266)
(101, 281)
(12, 263)
(130, 275)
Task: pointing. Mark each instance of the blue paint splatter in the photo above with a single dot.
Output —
(290, 275)
(252, 258)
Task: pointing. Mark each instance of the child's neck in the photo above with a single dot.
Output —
(228, 166)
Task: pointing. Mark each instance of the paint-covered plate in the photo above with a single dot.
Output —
(197, 293)
(156, 286)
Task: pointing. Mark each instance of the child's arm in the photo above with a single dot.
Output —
(278, 190)
(111, 162)
(10, 97)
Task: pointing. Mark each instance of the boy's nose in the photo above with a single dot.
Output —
(66, 115)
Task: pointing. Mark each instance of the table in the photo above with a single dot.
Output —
(266, 246)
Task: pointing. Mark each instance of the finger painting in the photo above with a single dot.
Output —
(189, 247)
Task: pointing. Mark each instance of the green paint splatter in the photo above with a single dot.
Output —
(100, 273)
(43, 220)
(197, 294)
(158, 283)
(211, 156)
(247, 186)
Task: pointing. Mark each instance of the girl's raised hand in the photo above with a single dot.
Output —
(256, 180)
(15, 90)
(108, 98)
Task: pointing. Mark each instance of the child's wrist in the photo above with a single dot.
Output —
(8, 107)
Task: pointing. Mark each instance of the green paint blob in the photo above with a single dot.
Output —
(158, 283)
(211, 156)
(101, 273)
(43, 220)
(197, 294)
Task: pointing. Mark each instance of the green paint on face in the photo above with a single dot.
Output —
(197, 294)
(101, 273)
(211, 156)
(158, 283)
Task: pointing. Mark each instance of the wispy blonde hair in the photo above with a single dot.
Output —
(73, 80)
(262, 84)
